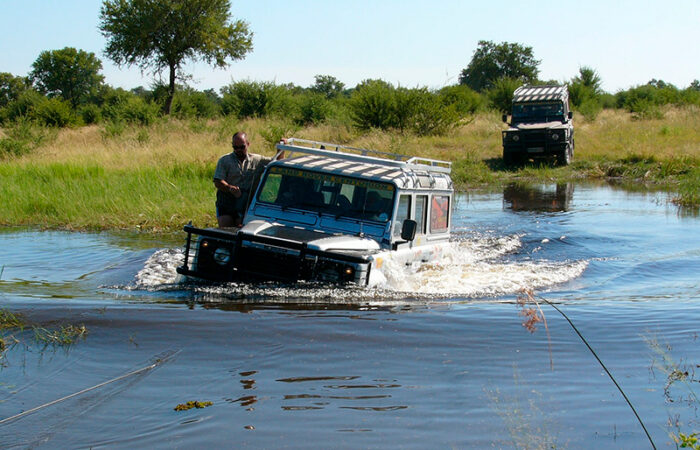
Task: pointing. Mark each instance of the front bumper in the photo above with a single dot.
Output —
(220, 255)
(533, 143)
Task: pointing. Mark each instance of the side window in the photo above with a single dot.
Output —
(404, 212)
(421, 211)
(439, 213)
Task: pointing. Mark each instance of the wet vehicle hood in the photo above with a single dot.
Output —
(314, 239)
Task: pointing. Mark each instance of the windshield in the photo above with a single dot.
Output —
(326, 193)
(537, 112)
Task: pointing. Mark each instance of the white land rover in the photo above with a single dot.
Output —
(330, 213)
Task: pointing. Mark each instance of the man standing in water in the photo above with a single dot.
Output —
(235, 174)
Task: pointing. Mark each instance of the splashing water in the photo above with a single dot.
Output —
(159, 269)
(472, 268)
(468, 268)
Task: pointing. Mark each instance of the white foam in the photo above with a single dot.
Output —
(474, 267)
(159, 269)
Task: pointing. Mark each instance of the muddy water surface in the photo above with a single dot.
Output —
(435, 357)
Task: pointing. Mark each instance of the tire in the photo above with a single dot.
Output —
(564, 156)
(509, 159)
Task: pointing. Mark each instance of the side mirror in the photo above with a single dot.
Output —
(408, 230)
(571, 115)
(505, 118)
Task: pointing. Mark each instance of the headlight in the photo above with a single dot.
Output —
(222, 256)
(516, 138)
(555, 136)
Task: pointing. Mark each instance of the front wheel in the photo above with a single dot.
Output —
(510, 159)
(564, 157)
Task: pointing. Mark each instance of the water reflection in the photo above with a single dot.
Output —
(321, 392)
(539, 197)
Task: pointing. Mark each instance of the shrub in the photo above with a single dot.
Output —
(90, 114)
(649, 96)
(314, 108)
(120, 105)
(580, 94)
(54, 112)
(112, 128)
(21, 138)
(644, 109)
(431, 117)
(501, 94)
(377, 104)
(255, 99)
(193, 104)
(590, 109)
(465, 101)
(24, 107)
(372, 105)
(275, 131)
(11, 87)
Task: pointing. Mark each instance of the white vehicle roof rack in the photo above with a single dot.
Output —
(295, 145)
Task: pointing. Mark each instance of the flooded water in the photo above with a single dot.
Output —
(436, 357)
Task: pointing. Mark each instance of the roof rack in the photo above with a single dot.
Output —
(295, 145)
(546, 92)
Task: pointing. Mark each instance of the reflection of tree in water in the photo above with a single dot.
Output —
(547, 197)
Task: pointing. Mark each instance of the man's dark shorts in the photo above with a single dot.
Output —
(228, 205)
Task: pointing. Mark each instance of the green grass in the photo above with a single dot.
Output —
(65, 195)
(159, 177)
(63, 336)
(66, 335)
(9, 320)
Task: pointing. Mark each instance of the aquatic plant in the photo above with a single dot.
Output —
(676, 372)
(689, 441)
(522, 415)
(533, 316)
(192, 404)
(10, 320)
(64, 336)
(530, 296)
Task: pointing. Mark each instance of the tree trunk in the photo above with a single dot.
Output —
(171, 90)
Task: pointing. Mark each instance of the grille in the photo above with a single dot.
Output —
(269, 264)
(535, 138)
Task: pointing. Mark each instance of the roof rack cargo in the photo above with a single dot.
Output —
(295, 145)
(547, 92)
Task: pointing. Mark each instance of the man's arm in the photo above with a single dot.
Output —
(223, 186)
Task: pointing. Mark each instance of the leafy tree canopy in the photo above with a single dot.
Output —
(590, 79)
(11, 87)
(491, 62)
(163, 34)
(328, 85)
(71, 74)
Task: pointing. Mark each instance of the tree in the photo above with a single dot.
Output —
(11, 87)
(491, 62)
(328, 85)
(590, 79)
(585, 88)
(71, 74)
(163, 34)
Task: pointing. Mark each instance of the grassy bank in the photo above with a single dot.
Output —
(159, 177)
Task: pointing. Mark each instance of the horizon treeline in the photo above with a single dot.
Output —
(65, 89)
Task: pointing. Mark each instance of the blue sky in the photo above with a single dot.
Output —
(408, 42)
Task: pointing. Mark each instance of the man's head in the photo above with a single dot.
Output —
(240, 143)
